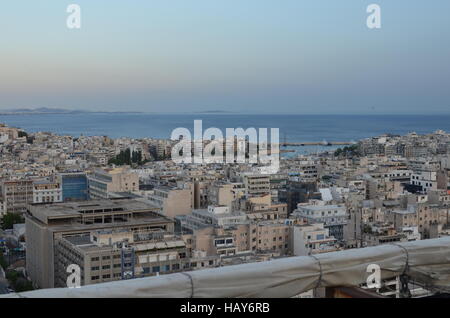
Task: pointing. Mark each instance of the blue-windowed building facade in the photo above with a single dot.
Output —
(74, 186)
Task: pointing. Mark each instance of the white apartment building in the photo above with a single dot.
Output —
(46, 191)
(426, 179)
(214, 215)
(334, 217)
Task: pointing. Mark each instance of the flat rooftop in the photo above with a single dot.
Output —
(403, 211)
(43, 212)
(321, 207)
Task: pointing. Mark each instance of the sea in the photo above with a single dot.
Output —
(292, 127)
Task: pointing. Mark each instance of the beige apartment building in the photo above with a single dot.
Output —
(225, 194)
(256, 185)
(10, 132)
(173, 201)
(48, 224)
(244, 237)
(17, 194)
(423, 216)
(104, 183)
(311, 239)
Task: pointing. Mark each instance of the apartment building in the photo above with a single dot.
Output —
(382, 233)
(225, 194)
(273, 236)
(219, 216)
(104, 183)
(10, 133)
(423, 216)
(46, 191)
(240, 238)
(17, 194)
(278, 182)
(263, 208)
(311, 239)
(256, 185)
(173, 200)
(333, 216)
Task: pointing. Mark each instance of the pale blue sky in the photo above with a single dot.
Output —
(288, 56)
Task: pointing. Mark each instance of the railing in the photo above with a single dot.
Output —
(426, 261)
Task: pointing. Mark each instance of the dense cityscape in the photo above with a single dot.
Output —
(121, 209)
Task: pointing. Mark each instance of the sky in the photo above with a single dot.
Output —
(260, 56)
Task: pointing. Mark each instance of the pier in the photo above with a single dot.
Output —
(317, 143)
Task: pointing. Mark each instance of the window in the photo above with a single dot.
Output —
(106, 257)
(155, 269)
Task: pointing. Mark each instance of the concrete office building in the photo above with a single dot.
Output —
(48, 223)
(108, 255)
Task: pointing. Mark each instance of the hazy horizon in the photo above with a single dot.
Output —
(257, 56)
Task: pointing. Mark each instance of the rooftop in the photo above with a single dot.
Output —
(44, 212)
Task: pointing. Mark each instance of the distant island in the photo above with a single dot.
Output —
(215, 112)
(40, 110)
(46, 110)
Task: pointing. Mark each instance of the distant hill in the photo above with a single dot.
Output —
(214, 112)
(46, 110)
(41, 110)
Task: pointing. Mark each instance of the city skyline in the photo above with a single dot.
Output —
(255, 57)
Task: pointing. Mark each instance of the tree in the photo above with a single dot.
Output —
(22, 133)
(351, 151)
(127, 158)
(18, 282)
(9, 219)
